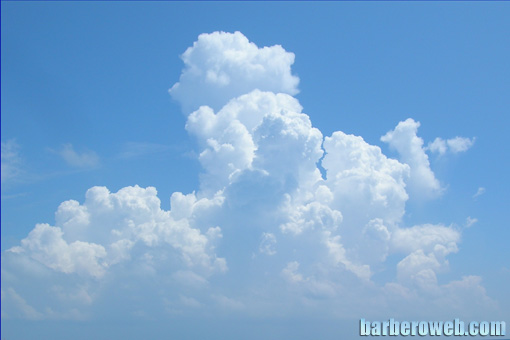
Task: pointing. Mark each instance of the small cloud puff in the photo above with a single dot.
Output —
(454, 145)
(470, 221)
(479, 192)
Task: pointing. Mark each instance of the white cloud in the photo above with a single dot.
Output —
(290, 272)
(479, 192)
(220, 66)
(454, 145)
(258, 130)
(470, 221)
(261, 191)
(89, 238)
(339, 255)
(46, 245)
(10, 160)
(438, 145)
(268, 244)
(358, 174)
(428, 237)
(460, 144)
(404, 140)
(86, 159)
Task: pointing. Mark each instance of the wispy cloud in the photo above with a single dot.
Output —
(132, 150)
(479, 192)
(11, 161)
(85, 159)
(470, 221)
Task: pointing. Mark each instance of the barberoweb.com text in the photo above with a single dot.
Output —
(432, 328)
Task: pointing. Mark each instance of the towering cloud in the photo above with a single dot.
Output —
(264, 212)
(405, 141)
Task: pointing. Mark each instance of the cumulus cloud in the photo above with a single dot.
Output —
(428, 237)
(10, 160)
(265, 219)
(405, 141)
(454, 145)
(220, 66)
(86, 159)
(46, 245)
(427, 246)
(258, 130)
(89, 238)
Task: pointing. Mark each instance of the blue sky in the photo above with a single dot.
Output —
(285, 217)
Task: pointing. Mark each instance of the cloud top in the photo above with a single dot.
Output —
(404, 139)
(220, 66)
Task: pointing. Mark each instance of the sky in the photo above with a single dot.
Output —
(230, 170)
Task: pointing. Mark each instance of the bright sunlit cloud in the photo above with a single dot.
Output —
(264, 221)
